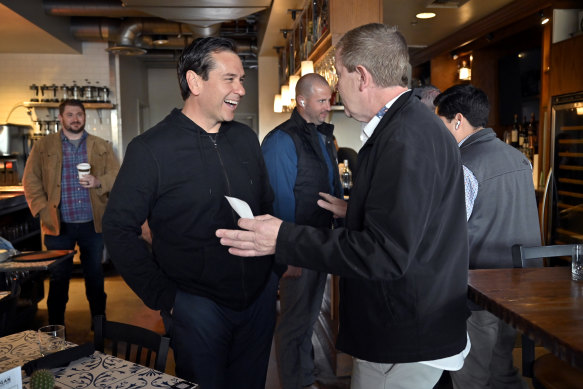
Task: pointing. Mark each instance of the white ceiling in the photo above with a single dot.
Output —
(20, 35)
(422, 33)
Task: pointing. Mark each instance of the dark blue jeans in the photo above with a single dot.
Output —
(219, 348)
(91, 250)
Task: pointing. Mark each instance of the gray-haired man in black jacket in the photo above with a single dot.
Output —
(403, 254)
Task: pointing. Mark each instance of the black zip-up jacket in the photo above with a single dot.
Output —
(176, 176)
(403, 256)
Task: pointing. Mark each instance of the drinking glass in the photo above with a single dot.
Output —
(51, 339)
(577, 263)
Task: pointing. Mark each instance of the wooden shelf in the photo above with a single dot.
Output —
(29, 104)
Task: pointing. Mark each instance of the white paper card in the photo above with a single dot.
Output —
(11, 379)
(241, 207)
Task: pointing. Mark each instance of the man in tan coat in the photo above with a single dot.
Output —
(71, 208)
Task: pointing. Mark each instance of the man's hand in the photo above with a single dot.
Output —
(292, 272)
(333, 204)
(146, 232)
(90, 182)
(258, 240)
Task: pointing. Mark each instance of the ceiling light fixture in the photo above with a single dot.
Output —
(294, 12)
(126, 50)
(284, 31)
(306, 67)
(543, 18)
(277, 105)
(293, 81)
(465, 72)
(285, 96)
(425, 15)
(159, 39)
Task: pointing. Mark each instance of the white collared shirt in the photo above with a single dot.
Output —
(368, 128)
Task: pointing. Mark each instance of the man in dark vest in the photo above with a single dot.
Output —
(300, 156)
(501, 211)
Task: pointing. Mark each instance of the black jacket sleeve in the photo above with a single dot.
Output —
(131, 198)
(393, 206)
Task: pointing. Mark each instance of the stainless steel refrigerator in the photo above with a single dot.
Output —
(563, 207)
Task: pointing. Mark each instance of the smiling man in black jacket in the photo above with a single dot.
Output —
(218, 308)
(403, 254)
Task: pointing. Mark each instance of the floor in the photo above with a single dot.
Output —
(124, 306)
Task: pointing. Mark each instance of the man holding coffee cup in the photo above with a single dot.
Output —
(67, 180)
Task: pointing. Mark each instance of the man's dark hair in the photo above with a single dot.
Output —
(71, 102)
(467, 100)
(197, 56)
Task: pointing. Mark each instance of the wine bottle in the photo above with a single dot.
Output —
(346, 178)
(532, 129)
(515, 131)
(522, 134)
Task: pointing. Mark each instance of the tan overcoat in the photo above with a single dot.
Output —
(42, 179)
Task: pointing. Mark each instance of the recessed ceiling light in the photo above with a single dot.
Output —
(425, 15)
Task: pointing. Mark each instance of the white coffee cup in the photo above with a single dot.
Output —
(83, 169)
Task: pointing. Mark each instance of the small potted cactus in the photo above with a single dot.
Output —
(42, 379)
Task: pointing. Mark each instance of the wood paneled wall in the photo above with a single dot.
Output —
(567, 66)
(485, 77)
(346, 15)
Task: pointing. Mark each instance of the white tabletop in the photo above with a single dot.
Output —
(98, 370)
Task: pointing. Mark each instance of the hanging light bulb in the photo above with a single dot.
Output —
(293, 80)
(307, 67)
(285, 96)
(277, 106)
(465, 72)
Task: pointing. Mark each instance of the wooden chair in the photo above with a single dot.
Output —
(130, 342)
(7, 309)
(547, 371)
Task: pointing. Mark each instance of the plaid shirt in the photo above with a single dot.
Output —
(75, 202)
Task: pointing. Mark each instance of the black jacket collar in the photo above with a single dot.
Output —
(325, 128)
(395, 107)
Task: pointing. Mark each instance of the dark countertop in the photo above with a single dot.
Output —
(11, 199)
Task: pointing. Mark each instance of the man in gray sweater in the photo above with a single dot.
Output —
(501, 211)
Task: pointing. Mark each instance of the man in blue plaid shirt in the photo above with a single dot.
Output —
(70, 208)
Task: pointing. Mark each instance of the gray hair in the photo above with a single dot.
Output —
(381, 49)
(427, 95)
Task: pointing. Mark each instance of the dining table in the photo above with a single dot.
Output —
(35, 260)
(98, 370)
(543, 303)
